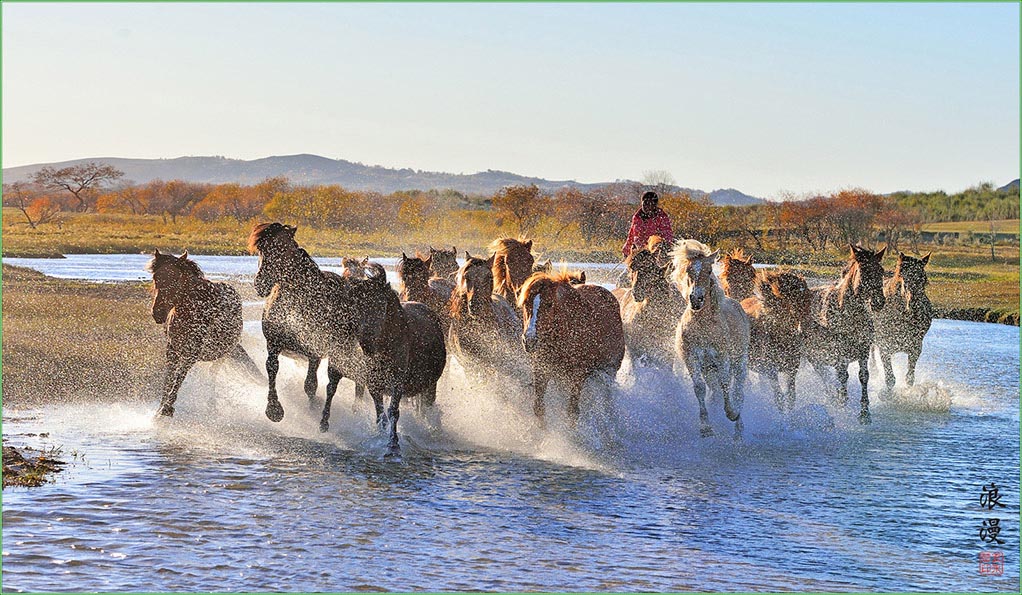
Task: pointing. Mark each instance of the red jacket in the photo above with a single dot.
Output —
(657, 225)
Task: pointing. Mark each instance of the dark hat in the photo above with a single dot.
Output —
(650, 195)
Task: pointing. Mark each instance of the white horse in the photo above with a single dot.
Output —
(712, 337)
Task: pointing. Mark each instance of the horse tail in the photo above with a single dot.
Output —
(239, 355)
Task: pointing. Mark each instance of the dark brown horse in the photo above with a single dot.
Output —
(443, 264)
(840, 329)
(485, 328)
(650, 310)
(737, 275)
(512, 265)
(202, 318)
(571, 333)
(359, 324)
(418, 285)
(906, 317)
(777, 318)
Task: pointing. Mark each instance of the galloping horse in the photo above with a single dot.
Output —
(202, 318)
(650, 310)
(547, 266)
(906, 316)
(354, 267)
(417, 285)
(359, 324)
(737, 275)
(777, 338)
(485, 328)
(571, 332)
(512, 265)
(840, 329)
(712, 336)
(443, 264)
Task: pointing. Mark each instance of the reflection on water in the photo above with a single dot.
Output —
(219, 498)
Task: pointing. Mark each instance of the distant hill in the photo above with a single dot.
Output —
(1010, 186)
(313, 169)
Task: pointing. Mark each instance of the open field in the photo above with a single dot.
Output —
(1000, 226)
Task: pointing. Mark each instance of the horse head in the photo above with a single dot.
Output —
(275, 244)
(512, 265)
(785, 293)
(544, 300)
(648, 277)
(414, 272)
(693, 273)
(473, 287)
(737, 275)
(443, 263)
(910, 274)
(866, 276)
(353, 267)
(172, 277)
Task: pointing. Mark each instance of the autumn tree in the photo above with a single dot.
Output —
(230, 200)
(129, 198)
(173, 198)
(25, 198)
(852, 212)
(82, 181)
(523, 204)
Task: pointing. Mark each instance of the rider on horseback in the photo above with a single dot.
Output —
(648, 221)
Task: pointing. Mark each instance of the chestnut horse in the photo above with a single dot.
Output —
(485, 328)
(203, 320)
(512, 265)
(712, 337)
(650, 310)
(571, 332)
(840, 329)
(359, 324)
(737, 275)
(906, 316)
(418, 285)
(443, 264)
(777, 319)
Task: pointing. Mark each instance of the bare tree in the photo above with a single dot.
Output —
(20, 195)
(80, 180)
(659, 180)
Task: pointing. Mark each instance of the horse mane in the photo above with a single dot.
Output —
(263, 233)
(685, 251)
(502, 249)
(654, 242)
(185, 264)
(777, 286)
(539, 281)
(459, 299)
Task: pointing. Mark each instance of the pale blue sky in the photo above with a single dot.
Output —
(764, 98)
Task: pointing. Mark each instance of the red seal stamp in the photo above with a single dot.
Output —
(991, 563)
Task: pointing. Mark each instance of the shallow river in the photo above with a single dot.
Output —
(221, 499)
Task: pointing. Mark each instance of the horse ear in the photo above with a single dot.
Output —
(491, 259)
(365, 261)
(183, 256)
(852, 250)
(429, 260)
(467, 255)
(926, 258)
(431, 250)
(528, 245)
(403, 256)
(582, 277)
(291, 230)
(880, 255)
(454, 249)
(901, 256)
(748, 260)
(714, 255)
(156, 252)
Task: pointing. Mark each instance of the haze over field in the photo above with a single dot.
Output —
(763, 98)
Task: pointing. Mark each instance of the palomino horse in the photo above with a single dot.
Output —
(777, 318)
(571, 332)
(512, 265)
(712, 337)
(359, 324)
(906, 316)
(418, 285)
(443, 264)
(840, 329)
(737, 275)
(650, 310)
(202, 318)
(485, 328)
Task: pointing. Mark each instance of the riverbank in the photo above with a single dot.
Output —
(29, 468)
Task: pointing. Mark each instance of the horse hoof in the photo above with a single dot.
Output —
(166, 412)
(706, 431)
(274, 411)
(393, 452)
(731, 414)
(865, 418)
(324, 426)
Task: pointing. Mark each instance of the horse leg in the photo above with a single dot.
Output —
(378, 404)
(274, 411)
(177, 368)
(913, 358)
(885, 360)
(541, 379)
(842, 382)
(789, 386)
(694, 365)
(333, 378)
(393, 413)
(864, 416)
(311, 379)
(732, 388)
(574, 395)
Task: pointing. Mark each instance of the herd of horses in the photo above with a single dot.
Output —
(513, 321)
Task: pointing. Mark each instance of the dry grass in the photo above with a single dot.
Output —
(1000, 226)
(66, 340)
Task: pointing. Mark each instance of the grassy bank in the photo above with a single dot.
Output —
(67, 340)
